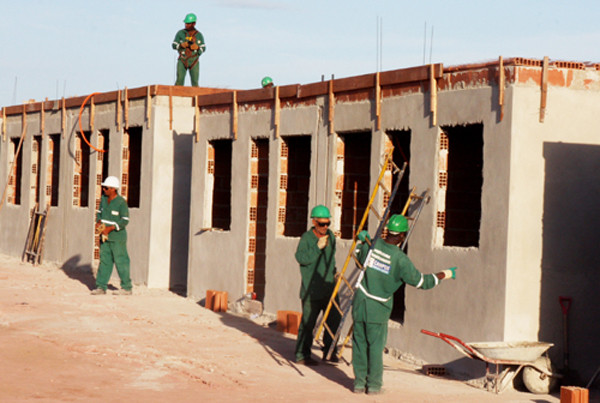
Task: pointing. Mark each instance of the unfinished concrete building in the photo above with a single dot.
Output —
(220, 184)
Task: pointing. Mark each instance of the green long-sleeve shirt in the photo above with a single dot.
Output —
(386, 269)
(114, 213)
(317, 266)
(187, 53)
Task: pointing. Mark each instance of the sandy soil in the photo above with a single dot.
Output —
(59, 343)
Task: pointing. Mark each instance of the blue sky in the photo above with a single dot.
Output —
(72, 48)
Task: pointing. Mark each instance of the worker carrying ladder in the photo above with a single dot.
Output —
(348, 280)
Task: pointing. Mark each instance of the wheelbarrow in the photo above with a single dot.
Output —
(538, 375)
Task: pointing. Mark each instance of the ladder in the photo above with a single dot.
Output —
(36, 235)
(416, 203)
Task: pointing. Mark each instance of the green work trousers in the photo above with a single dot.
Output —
(194, 73)
(368, 341)
(113, 253)
(310, 312)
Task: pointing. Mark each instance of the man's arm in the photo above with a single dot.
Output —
(307, 252)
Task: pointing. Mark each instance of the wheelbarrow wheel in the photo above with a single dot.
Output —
(537, 382)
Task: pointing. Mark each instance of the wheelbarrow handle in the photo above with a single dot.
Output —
(565, 304)
(461, 346)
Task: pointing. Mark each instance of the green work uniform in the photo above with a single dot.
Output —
(386, 269)
(188, 57)
(317, 268)
(114, 250)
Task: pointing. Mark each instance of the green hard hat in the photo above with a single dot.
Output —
(191, 17)
(320, 211)
(266, 81)
(397, 223)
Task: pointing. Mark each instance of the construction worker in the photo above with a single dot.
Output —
(386, 268)
(267, 82)
(316, 256)
(190, 45)
(111, 220)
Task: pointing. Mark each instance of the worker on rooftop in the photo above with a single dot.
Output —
(190, 45)
(267, 82)
(316, 255)
(386, 268)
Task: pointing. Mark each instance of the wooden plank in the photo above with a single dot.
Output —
(261, 94)
(234, 106)
(277, 112)
(170, 108)
(433, 95)
(4, 124)
(544, 89)
(288, 91)
(63, 122)
(197, 119)
(331, 113)
(311, 90)
(118, 106)
(42, 120)
(501, 84)
(411, 74)
(354, 83)
(92, 116)
(148, 107)
(378, 101)
(215, 99)
(126, 110)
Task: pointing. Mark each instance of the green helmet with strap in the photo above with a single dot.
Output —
(397, 224)
(266, 81)
(320, 211)
(190, 18)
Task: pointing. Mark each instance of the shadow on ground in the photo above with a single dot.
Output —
(80, 272)
(281, 349)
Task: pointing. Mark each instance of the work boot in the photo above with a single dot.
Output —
(359, 390)
(309, 362)
(374, 392)
(122, 292)
(98, 291)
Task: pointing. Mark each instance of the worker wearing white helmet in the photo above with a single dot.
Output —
(111, 220)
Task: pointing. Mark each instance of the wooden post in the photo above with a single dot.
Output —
(92, 116)
(170, 108)
(42, 119)
(277, 112)
(148, 107)
(234, 106)
(377, 101)
(331, 107)
(126, 109)
(119, 119)
(544, 89)
(197, 118)
(63, 123)
(4, 124)
(501, 82)
(12, 166)
(433, 95)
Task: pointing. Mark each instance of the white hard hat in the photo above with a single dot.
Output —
(111, 182)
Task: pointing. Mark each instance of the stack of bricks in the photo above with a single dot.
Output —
(288, 321)
(216, 301)
(574, 394)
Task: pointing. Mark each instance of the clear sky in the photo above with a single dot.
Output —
(55, 48)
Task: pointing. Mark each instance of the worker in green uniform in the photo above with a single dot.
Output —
(316, 256)
(111, 220)
(386, 268)
(267, 82)
(190, 45)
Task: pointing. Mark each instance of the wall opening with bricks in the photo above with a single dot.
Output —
(257, 234)
(101, 161)
(460, 181)
(14, 187)
(81, 171)
(36, 164)
(132, 166)
(352, 190)
(218, 189)
(294, 182)
(53, 169)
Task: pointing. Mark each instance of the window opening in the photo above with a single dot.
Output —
(14, 182)
(460, 181)
(101, 160)
(36, 158)
(353, 182)
(81, 171)
(259, 177)
(294, 180)
(52, 176)
(132, 166)
(219, 184)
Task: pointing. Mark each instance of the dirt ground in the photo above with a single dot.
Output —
(59, 343)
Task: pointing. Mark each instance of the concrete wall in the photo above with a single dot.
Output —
(553, 223)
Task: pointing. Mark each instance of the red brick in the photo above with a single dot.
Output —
(288, 321)
(573, 394)
(216, 301)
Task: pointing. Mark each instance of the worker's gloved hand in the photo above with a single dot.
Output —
(194, 46)
(100, 228)
(363, 236)
(184, 44)
(450, 273)
(322, 242)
